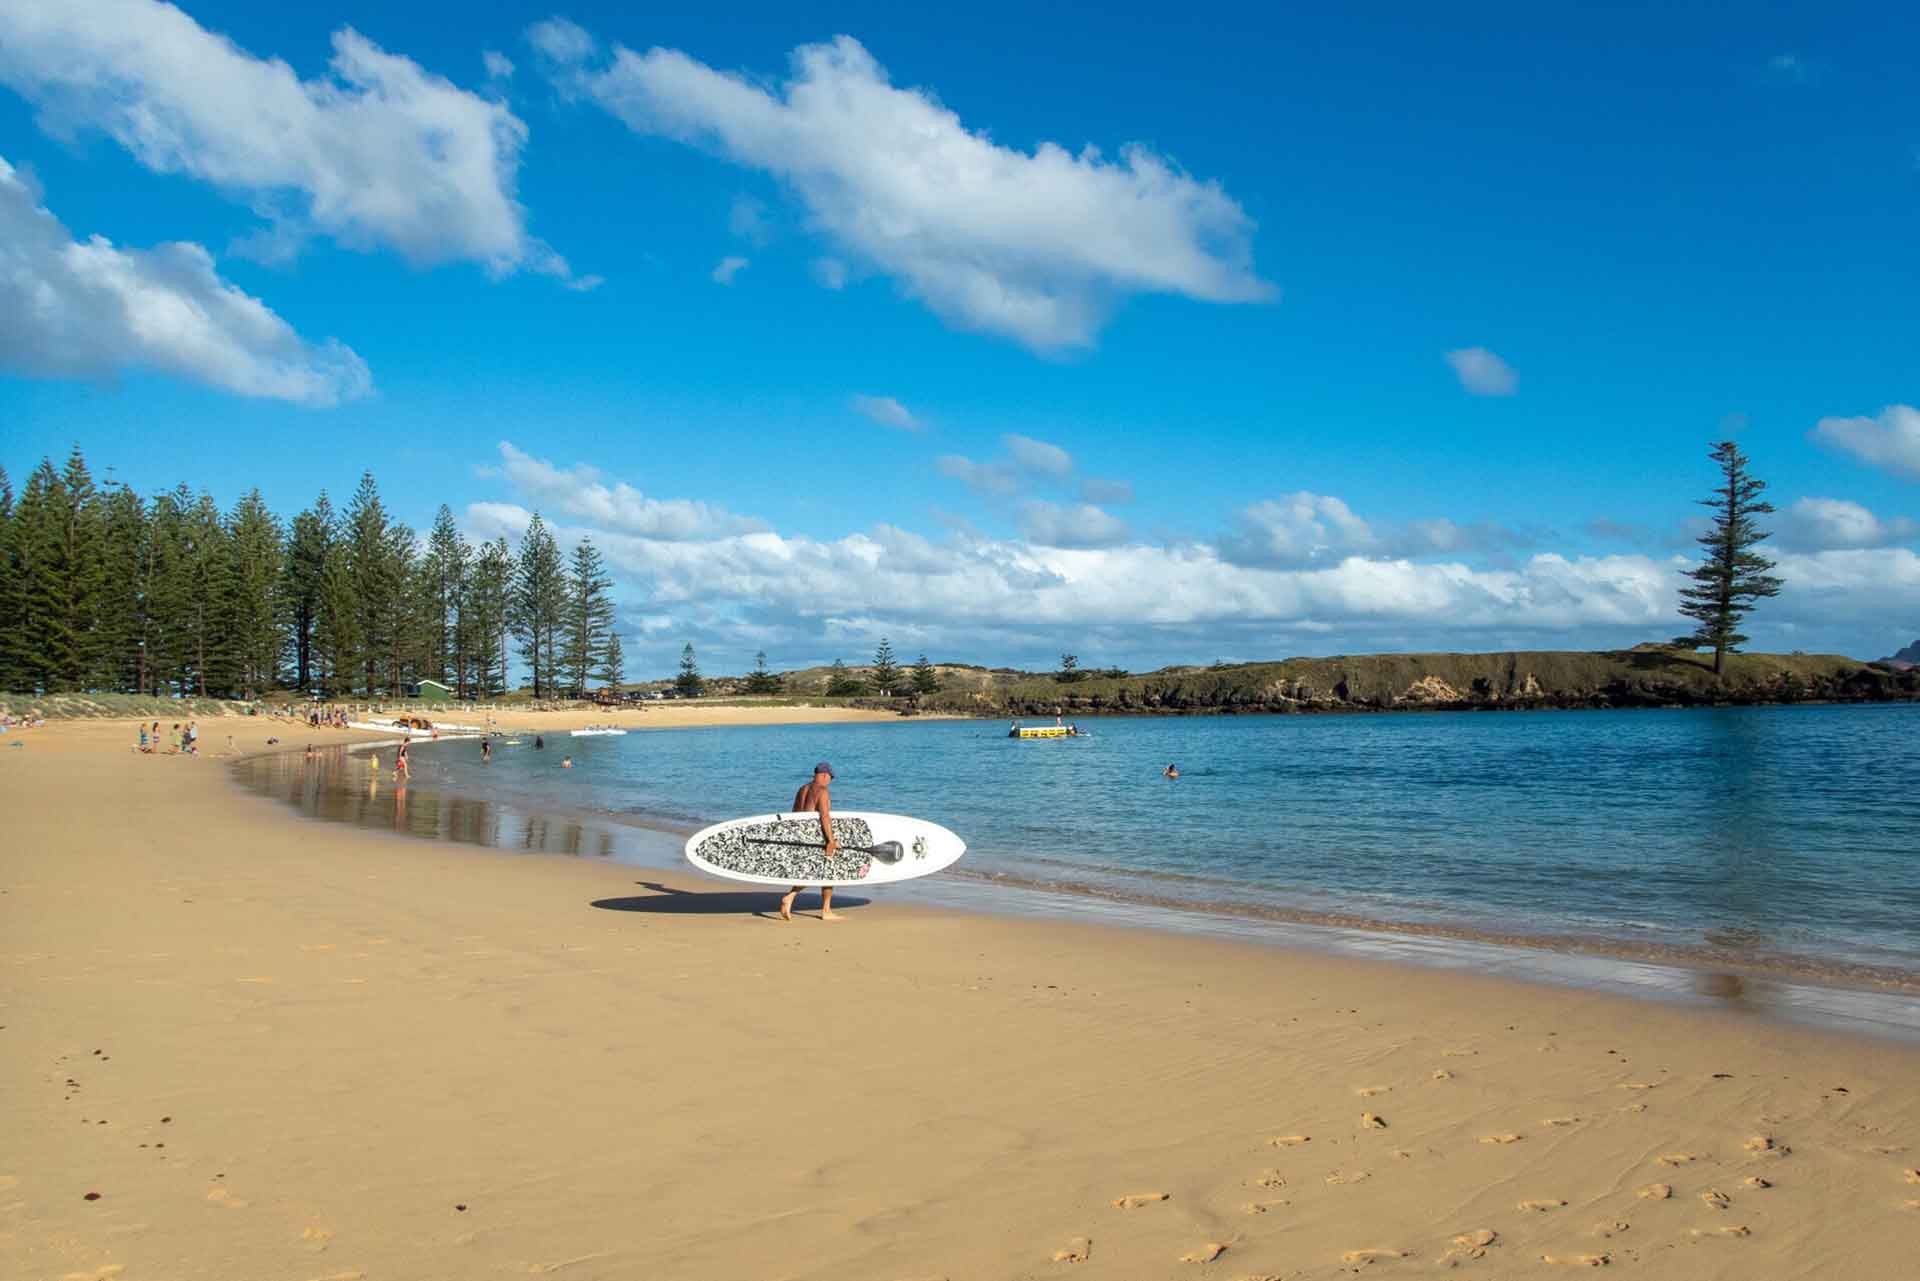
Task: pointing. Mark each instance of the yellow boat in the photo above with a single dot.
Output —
(1038, 731)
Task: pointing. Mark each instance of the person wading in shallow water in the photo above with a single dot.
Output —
(812, 798)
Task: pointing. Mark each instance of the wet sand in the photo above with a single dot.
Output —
(278, 1048)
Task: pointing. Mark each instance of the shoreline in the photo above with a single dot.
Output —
(1887, 998)
(304, 1051)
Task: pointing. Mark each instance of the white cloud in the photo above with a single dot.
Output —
(499, 66)
(579, 493)
(1096, 489)
(87, 309)
(886, 411)
(1833, 523)
(1038, 457)
(1890, 442)
(727, 268)
(376, 152)
(561, 41)
(747, 219)
(1483, 373)
(1037, 246)
(830, 273)
(982, 598)
(1083, 525)
(1301, 529)
(996, 478)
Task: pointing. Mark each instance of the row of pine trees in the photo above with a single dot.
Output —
(102, 590)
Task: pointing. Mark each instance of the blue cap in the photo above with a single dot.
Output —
(823, 768)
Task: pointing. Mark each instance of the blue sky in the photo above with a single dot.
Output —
(1401, 329)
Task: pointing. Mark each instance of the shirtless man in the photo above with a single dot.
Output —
(812, 797)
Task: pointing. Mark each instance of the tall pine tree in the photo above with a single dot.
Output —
(258, 548)
(301, 580)
(589, 616)
(1732, 577)
(538, 601)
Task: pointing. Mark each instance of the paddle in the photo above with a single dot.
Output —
(885, 851)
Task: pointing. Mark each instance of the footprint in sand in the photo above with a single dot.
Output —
(1470, 1245)
(1262, 1207)
(1374, 1254)
(1716, 1199)
(1134, 1200)
(1561, 1120)
(1634, 1107)
(1755, 1181)
(1638, 1085)
(1765, 1145)
(1501, 1138)
(1078, 1250)
(1441, 1074)
(1911, 1176)
(1371, 1091)
(317, 1237)
(1270, 1179)
(1677, 1158)
(1731, 1230)
(1372, 1121)
(1341, 1178)
(1541, 1205)
(222, 1197)
(1656, 1192)
(1578, 1260)
(1290, 1140)
(1458, 1054)
(1204, 1253)
(1912, 1205)
(1611, 1228)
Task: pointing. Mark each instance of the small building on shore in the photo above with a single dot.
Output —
(430, 692)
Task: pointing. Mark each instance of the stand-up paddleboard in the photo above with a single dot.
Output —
(786, 849)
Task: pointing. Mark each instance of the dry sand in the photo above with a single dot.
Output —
(281, 1050)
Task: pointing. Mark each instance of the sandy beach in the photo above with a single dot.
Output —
(240, 1044)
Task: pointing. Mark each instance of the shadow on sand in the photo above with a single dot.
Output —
(676, 902)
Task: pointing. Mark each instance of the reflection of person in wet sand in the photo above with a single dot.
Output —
(812, 798)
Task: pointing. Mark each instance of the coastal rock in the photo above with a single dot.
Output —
(1429, 690)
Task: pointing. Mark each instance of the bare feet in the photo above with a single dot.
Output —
(828, 914)
(786, 904)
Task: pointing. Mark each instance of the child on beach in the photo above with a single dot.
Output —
(143, 737)
(401, 770)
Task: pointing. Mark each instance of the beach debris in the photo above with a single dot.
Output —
(1205, 1253)
(91, 1196)
(1134, 1200)
(1373, 1254)
(1372, 1121)
(1078, 1250)
(461, 1207)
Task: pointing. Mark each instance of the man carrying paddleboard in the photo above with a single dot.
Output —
(812, 798)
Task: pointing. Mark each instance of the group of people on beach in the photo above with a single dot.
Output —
(179, 739)
(326, 718)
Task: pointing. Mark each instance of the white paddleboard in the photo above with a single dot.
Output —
(786, 849)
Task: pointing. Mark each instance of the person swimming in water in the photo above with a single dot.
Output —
(1171, 771)
(539, 743)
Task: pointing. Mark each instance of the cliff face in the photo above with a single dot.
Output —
(1908, 657)
(1650, 677)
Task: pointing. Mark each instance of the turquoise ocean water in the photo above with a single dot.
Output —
(1781, 839)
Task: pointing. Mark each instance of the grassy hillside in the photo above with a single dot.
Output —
(1646, 676)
